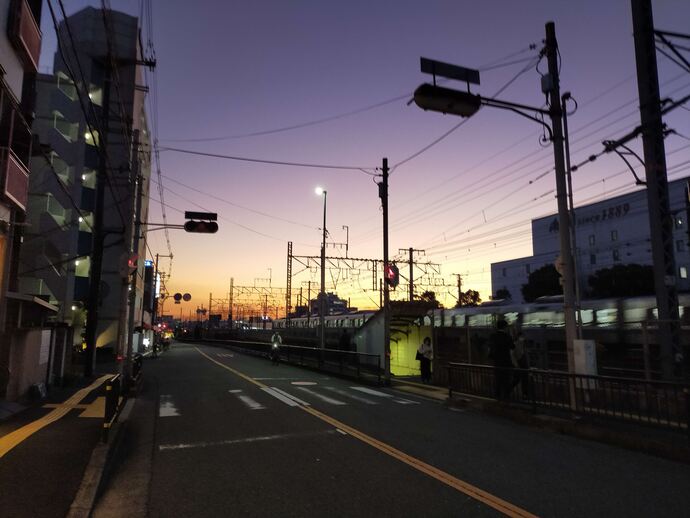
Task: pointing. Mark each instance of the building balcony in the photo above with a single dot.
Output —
(14, 176)
(25, 34)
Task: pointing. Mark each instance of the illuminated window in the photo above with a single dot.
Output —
(683, 271)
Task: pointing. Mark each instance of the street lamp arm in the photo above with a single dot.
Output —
(518, 109)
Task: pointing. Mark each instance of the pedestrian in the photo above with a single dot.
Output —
(521, 361)
(425, 354)
(344, 343)
(501, 346)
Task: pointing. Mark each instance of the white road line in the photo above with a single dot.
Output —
(235, 391)
(253, 405)
(284, 379)
(372, 392)
(327, 399)
(282, 398)
(294, 398)
(406, 401)
(167, 407)
(352, 396)
(244, 440)
(340, 431)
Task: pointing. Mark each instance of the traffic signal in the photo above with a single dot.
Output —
(201, 227)
(392, 275)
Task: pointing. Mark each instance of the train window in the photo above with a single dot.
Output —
(586, 317)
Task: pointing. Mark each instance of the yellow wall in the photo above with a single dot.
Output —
(403, 351)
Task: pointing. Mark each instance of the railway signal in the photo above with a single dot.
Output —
(392, 275)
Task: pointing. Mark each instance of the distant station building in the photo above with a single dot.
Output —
(607, 233)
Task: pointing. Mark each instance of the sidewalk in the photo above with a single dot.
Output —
(45, 448)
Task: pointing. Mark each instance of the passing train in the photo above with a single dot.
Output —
(627, 313)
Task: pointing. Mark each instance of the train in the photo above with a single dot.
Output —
(627, 313)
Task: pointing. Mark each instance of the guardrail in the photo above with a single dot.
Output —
(332, 360)
(113, 391)
(657, 403)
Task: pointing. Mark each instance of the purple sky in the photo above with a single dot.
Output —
(233, 68)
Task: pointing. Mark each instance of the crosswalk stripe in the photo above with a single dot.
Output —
(351, 396)
(321, 396)
(372, 392)
(290, 396)
(253, 405)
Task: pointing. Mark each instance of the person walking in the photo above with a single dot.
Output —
(521, 361)
(501, 346)
(425, 354)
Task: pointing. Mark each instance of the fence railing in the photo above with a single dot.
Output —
(658, 403)
(347, 363)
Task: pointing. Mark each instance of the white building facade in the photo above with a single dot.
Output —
(607, 233)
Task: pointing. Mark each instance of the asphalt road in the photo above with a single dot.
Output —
(234, 435)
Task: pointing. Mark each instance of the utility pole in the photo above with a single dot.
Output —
(383, 194)
(98, 233)
(347, 238)
(138, 189)
(288, 291)
(309, 304)
(551, 86)
(230, 303)
(322, 294)
(660, 217)
(459, 276)
(411, 251)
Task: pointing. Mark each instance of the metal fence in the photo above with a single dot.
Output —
(346, 363)
(658, 403)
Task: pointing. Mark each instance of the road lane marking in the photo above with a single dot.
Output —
(468, 489)
(235, 391)
(288, 395)
(303, 383)
(283, 379)
(326, 399)
(167, 408)
(14, 438)
(244, 440)
(371, 392)
(474, 492)
(351, 396)
(253, 405)
(287, 401)
(340, 431)
(403, 401)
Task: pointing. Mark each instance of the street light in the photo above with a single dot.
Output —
(322, 295)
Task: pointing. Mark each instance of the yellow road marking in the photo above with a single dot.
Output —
(12, 439)
(62, 405)
(95, 409)
(496, 503)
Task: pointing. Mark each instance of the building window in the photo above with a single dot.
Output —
(505, 272)
(614, 235)
(591, 240)
(679, 222)
(683, 271)
(616, 255)
(528, 270)
(592, 259)
(680, 246)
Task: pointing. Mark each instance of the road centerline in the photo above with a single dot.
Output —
(474, 492)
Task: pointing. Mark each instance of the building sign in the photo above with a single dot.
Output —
(607, 213)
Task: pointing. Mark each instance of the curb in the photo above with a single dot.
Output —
(677, 449)
(98, 467)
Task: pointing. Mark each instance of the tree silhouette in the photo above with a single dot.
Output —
(542, 282)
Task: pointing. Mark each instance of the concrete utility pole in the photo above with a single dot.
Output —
(383, 194)
(98, 233)
(551, 86)
(459, 288)
(230, 319)
(660, 217)
(322, 294)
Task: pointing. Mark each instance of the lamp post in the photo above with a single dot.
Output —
(322, 294)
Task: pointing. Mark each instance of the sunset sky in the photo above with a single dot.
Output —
(322, 82)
